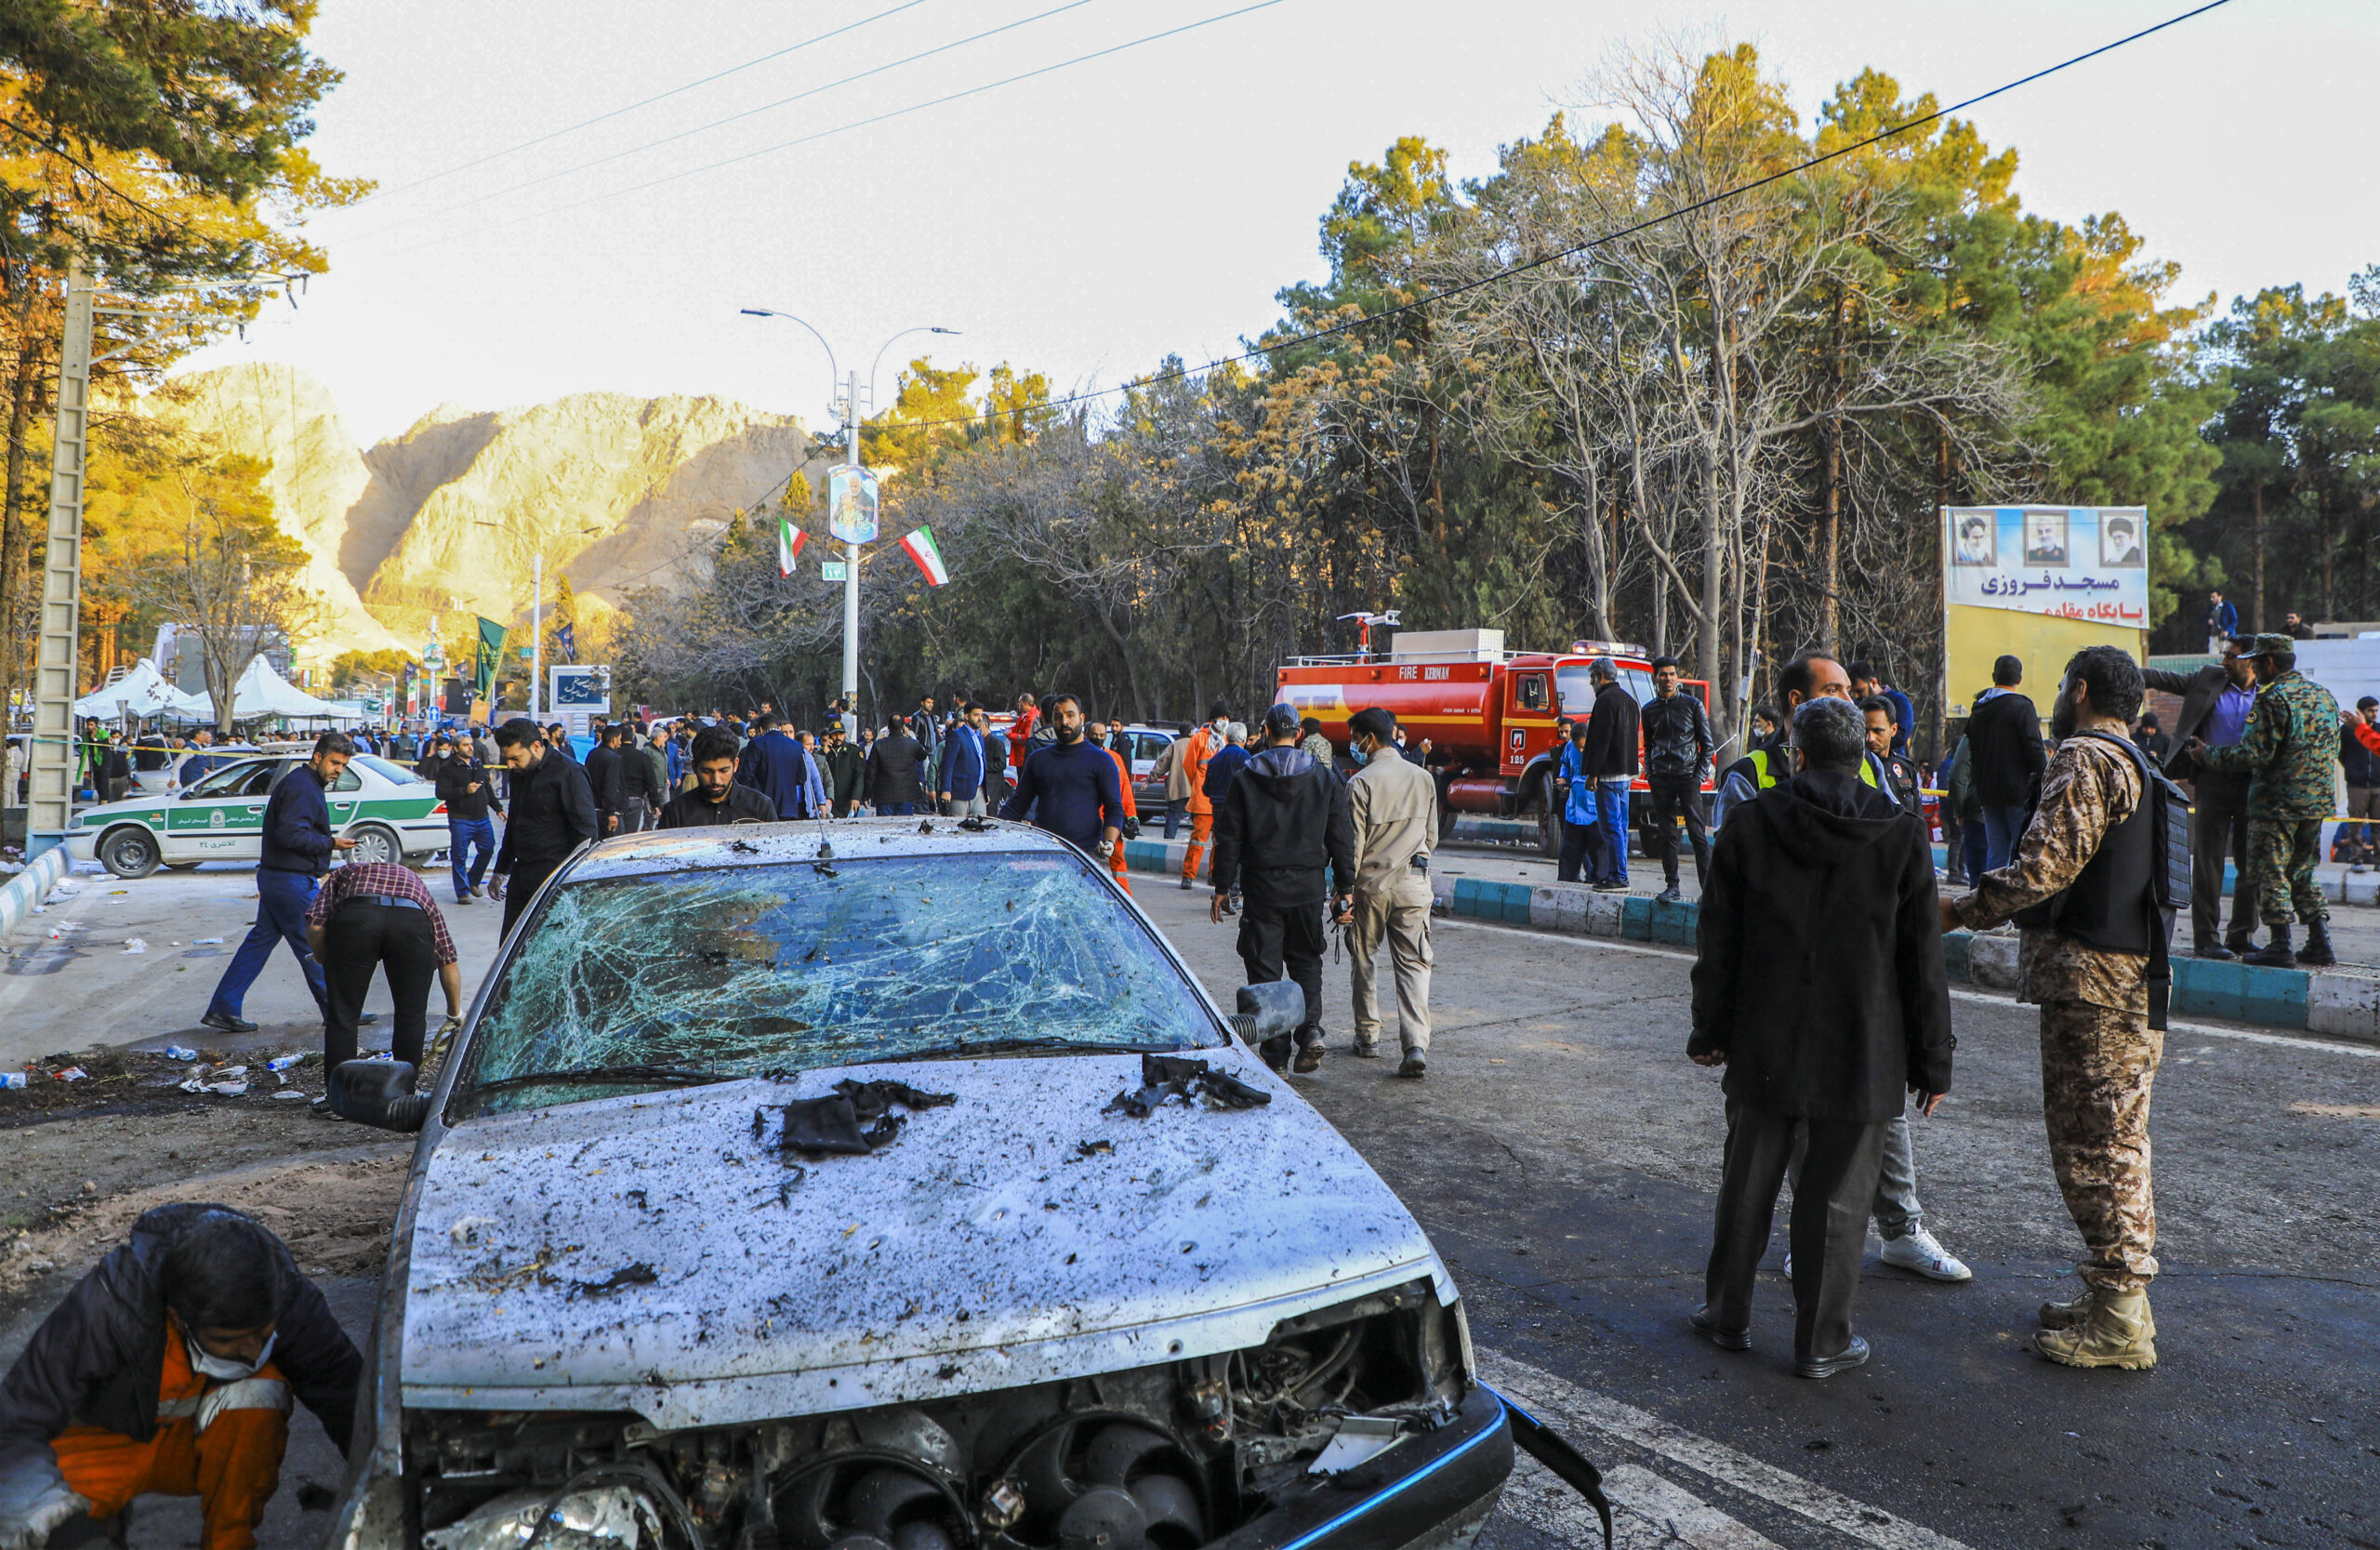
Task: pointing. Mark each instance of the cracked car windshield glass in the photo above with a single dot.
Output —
(747, 968)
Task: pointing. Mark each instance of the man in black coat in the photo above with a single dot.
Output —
(1679, 746)
(2005, 753)
(715, 797)
(1283, 820)
(892, 772)
(603, 780)
(1611, 759)
(643, 788)
(2216, 700)
(169, 1369)
(1819, 984)
(552, 814)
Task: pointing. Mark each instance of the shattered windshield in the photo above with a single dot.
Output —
(741, 970)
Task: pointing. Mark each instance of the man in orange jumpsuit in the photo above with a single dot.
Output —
(1198, 748)
(169, 1370)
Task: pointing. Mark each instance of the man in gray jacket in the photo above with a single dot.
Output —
(1394, 805)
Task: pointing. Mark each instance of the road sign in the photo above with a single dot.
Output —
(585, 689)
(830, 570)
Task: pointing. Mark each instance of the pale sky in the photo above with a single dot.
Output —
(1087, 221)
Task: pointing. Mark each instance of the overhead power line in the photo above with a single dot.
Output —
(1450, 292)
(647, 102)
(845, 128)
(722, 123)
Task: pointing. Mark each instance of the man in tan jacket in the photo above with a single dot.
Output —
(1395, 808)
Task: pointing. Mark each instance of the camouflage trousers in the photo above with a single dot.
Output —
(2281, 852)
(2096, 1068)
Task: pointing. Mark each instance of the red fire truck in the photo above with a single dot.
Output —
(1488, 714)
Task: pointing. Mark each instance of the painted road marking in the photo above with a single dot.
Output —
(1582, 1413)
(1647, 1512)
(2215, 1030)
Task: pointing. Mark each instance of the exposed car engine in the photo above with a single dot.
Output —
(1169, 1457)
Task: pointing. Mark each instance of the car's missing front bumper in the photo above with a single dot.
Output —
(1432, 1488)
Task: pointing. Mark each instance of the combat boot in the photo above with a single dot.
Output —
(2274, 954)
(2118, 1332)
(2317, 953)
(2067, 1315)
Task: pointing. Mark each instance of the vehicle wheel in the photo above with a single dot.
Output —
(181, 866)
(373, 842)
(129, 851)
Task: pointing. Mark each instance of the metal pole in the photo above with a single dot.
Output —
(537, 637)
(851, 570)
(51, 809)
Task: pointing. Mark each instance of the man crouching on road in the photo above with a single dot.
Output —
(1819, 984)
(168, 1370)
(1281, 822)
(2088, 859)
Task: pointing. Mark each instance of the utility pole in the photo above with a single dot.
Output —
(51, 810)
(538, 636)
(851, 570)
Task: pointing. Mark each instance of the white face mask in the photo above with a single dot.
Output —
(224, 1368)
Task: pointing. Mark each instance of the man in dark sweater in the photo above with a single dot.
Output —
(1610, 761)
(463, 785)
(1079, 798)
(553, 813)
(1679, 746)
(1284, 819)
(603, 780)
(716, 798)
(1819, 984)
(297, 847)
(170, 1368)
(2005, 750)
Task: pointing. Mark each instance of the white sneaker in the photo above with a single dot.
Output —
(1920, 1253)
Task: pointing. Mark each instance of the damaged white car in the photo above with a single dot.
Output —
(892, 1186)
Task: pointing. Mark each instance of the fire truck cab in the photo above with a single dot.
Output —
(1490, 716)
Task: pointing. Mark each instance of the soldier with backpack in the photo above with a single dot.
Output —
(2093, 886)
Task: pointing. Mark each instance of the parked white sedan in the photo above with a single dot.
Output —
(390, 812)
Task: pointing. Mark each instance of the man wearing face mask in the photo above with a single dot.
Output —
(169, 1370)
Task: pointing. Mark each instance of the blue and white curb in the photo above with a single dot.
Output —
(21, 894)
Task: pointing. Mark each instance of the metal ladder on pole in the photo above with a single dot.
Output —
(52, 804)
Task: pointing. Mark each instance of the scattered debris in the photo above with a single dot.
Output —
(180, 1051)
(1094, 1148)
(72, 1073)
(926, 826)
(290, 1092)
(315, 1498)
(1165, 1076)
(974, 826)
(135, 945)
(207, 941)
(830, 1126)
(639, 1274)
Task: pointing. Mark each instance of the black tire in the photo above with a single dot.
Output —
(181, 866)
(129, 850)
(376, 842)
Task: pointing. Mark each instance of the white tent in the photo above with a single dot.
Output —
(262, 692)
(142, 691)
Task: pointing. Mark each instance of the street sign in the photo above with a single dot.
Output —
(830, 570)
(583, 689)
(851, 504)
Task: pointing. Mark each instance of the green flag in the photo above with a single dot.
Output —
(490, 652)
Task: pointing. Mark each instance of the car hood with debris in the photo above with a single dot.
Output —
(659, 1253)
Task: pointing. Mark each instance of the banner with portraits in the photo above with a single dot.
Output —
(2088, 562)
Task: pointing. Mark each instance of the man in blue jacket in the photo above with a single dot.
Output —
(775, 765)
(962, 768)
(297, 847)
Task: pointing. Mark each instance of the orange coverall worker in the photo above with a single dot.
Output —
(1198, 748)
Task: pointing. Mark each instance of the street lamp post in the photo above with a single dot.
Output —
(853, 416)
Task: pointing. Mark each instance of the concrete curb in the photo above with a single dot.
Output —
(27, 888)
(2342, 1006)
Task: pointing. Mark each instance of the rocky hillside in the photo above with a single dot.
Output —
(618, 492)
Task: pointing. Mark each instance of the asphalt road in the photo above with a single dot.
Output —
(1563, 1154)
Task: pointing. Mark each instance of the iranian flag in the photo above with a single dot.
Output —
(923, 549)
(789, 541)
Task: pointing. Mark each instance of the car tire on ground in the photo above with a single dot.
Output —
(129, 850)
(181, 866)
(376, 843)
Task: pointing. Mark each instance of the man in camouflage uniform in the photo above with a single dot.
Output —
(2099, 1055)
(2291, 752)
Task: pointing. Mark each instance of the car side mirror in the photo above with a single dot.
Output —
(1271, 1011)
(378, 1092)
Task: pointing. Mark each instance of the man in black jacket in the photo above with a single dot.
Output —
(1679, 746)
(715, 797)
(893, 767)
(2216, 700)
(603, 780)
(643, 788)
(1284, 819)
(1611, 759)
(553, 813)
(466, 786)
(1819, 984)
(297, 847)
(2004, 744)
(170, 1368)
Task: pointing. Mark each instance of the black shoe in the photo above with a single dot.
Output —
(1727, 1340)
(1669, 895)
(1611, 887)
(1275, 1052)
(2274, 954)
(1309, 1059)
(2239, 946)
(1851, 1356)
(1415, 1065)
(2213, 952)
(223, 1022)
(2317, 953)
